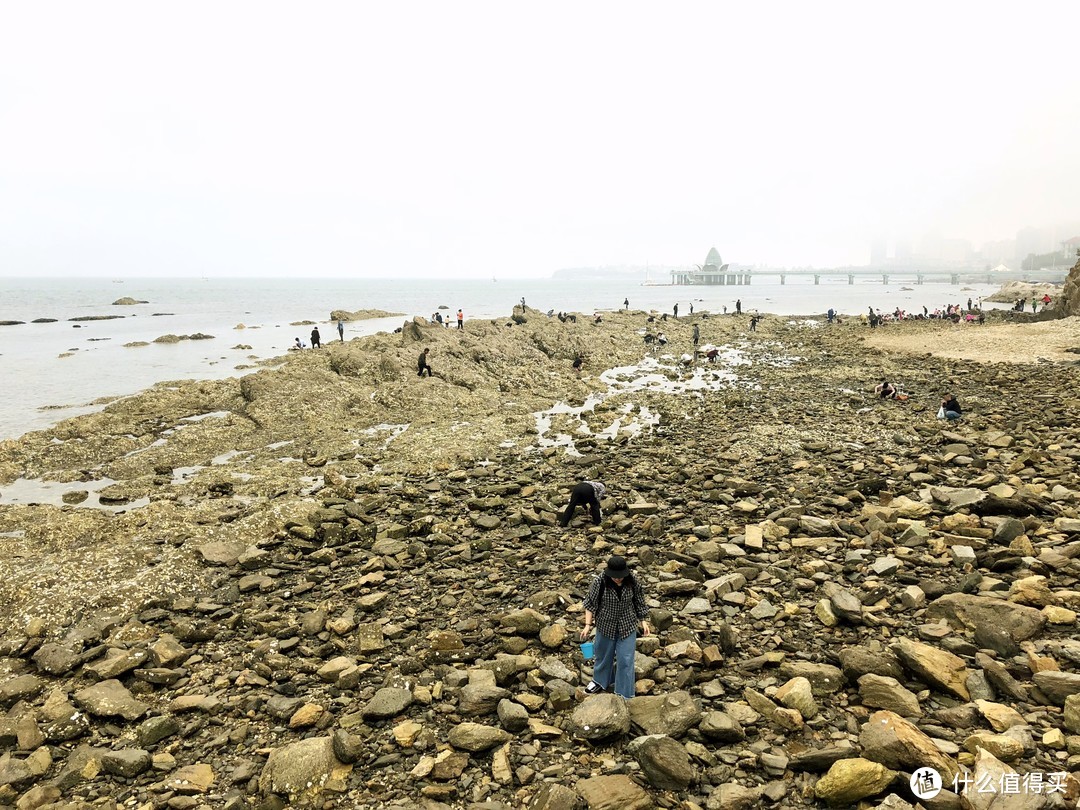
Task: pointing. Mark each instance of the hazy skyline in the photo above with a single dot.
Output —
(480, 139)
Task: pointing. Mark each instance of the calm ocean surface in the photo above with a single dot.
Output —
(36, 379)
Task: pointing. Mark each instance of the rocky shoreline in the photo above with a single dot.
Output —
(334, 582)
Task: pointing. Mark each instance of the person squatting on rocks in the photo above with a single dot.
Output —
(950, 408)
(616, 604)
(587, 493)
(315, 339)
(579, 361)
(422, 364)
(885, 389)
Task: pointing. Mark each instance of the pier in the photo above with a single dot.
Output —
(743, 278)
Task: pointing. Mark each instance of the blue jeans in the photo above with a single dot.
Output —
(951, 415)
(619, 654)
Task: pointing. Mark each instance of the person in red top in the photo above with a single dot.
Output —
(460, 319)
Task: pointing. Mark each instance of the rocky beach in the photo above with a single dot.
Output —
(333, 583)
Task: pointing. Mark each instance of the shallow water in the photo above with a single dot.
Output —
(664, 374)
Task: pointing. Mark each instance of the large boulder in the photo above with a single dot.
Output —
(475, 737)
(850, 780)
(938, 668)
(1071, 293)
(601, 716)
(672, 714)
(894, 742)
(110, 699)
(665, 763)
(301, 768)
(388, 702)
(968, 612)
(614, 793)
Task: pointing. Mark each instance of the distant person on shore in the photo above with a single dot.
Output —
(675, 311)
(597, 318)
(341, 329)
(712, 354)
(586, 494)
(969, 304)
(298, 344)
(885, 389)
(626, 303)
(1046, 299)
(422, 364)
(523, 303)
(950, 408)
(725, 309)
(579, 361)
(460, 319)
(616, 603)
(738, 306)
(316, 341)
(754, 322)
(661, 339)
(831, 314)
(697, 334)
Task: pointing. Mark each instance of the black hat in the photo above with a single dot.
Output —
(616, 567)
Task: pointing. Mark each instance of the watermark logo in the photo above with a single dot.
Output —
(925, 783)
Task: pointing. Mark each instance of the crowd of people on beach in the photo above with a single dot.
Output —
(1020, 303)
(949, 312)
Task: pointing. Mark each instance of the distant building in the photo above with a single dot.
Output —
(713, 271)
(878, 253)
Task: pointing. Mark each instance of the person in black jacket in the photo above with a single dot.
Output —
(587, 493)
(316, 341)
(422, 364)
(950, 407)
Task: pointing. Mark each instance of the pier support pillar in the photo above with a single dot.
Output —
(884, 278)
(918, 279)
(954, 278)
(850, 278)
(817, 279)
(783, 279)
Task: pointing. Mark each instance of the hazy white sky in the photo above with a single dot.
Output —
(500, 138)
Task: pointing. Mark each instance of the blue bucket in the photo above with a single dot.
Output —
(587, 650)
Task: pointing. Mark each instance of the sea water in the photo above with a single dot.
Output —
(51, 371)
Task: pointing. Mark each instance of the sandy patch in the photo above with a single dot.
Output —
(998, 343)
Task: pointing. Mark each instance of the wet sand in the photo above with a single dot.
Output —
(992, 343)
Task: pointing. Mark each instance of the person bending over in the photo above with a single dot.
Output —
(588, 494)
(422, 364)
(885, 390)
